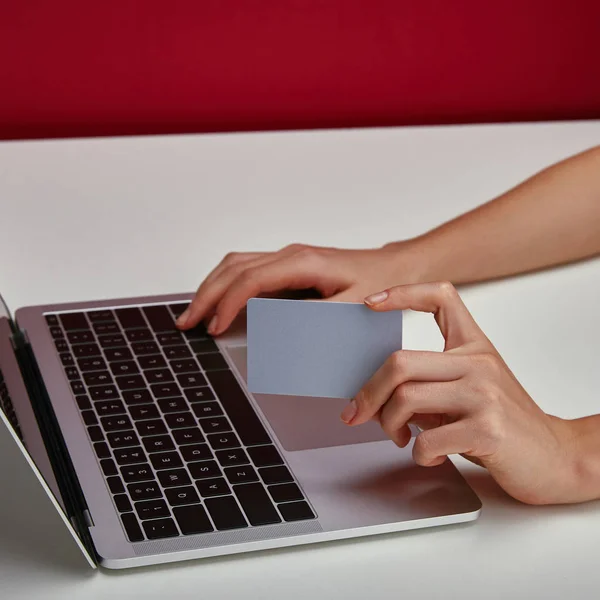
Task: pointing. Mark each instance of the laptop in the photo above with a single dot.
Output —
(151, 448)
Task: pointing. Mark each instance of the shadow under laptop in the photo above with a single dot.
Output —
(32, 534)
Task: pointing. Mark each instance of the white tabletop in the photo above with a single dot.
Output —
(106, 218)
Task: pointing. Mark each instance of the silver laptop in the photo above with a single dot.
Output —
(151, 448)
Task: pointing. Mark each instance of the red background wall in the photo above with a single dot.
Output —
(73, 68)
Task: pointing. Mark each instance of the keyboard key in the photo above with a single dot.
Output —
(152, 427)
(192, 519)
(105, 328)
(139, 335)
(122, 503)
(285, 492)
(115, 485)
(109, 407)
(272, 475)
(215, 425)
(188, 436)
(66, 359)
(245, 474)
(89, 417)
(154, 361)
(108, 467)
(104, 392)
(52, 320)
(97, 378)
(118, 423)
(221, 441)
(213, 487)
(265, 456)
(172, 405)
(196, 452)
(160, 528)
(182, 495)
(201, 394)
(207, 409)
(204, 470)
(83, 402)
(137, 473)
(158, 443)
(74, 321)
(113, 340)
(130, 456)
(256, 504)
(56, 332)
(130, 382)
(159, 376)
(238, 409)
(127, 367)
(132, 528)
(159, 318)
(296, 511)
(185, 365)
(118, 354)
(71, 373)
(143, 348)
(180, 420)
(130, 318)
(204, 346)
(141, 412)
(166, 460)
(100, 316)
(152, 509)
(197, 333)
(191, 380)
(177, 352)
(165, 390)
(232, 458)
(174, 478)
(212, 362)
(137, 397)
(91, 364)
(144, 491)
(178, 308)
(170, 338)
(80, 337)
(61, 345)
(102, 450)
(77, 387)
(95, 433)
(122, 439)
(225, 513)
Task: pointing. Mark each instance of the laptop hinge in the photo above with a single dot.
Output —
(62, 466)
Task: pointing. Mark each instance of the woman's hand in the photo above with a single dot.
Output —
(342, 275)
(467, 402)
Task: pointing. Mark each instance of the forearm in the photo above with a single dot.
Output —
(550, 219)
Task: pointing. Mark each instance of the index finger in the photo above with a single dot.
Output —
(442, 300)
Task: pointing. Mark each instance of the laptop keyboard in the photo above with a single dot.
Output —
(181, 447)
(7, 407)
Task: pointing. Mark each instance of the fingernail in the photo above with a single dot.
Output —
(212, 326)
(376, 298)
(349, 412)
(183, 317)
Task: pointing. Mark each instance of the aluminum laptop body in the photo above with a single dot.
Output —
(149, 445)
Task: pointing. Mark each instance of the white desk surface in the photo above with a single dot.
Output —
(116, 217)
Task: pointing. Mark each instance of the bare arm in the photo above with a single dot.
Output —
(552, 218)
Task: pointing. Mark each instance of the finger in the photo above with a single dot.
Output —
(191, 316)
(433, 446)
(400, 367)
(453, 318)
(414, 398)
(299, 271)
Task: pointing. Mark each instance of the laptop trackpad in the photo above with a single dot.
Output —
(305, 423)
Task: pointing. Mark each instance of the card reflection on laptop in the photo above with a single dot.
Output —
(317, 348)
